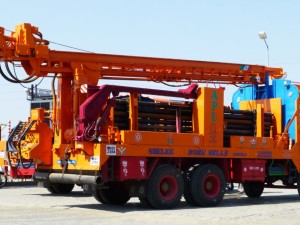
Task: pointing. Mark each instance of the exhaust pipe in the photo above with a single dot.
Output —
(66, 178)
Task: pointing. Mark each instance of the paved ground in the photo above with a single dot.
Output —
(32, 205)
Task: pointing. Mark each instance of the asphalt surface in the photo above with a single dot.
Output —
(28, 204)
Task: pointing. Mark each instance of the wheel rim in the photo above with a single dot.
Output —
(168, 187)
(212, 185)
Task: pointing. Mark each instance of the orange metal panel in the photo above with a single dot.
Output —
(78, 68)
(2, 145)
(245, 142)
(194, 152)
(133, 111)
(210, 111)
(272, 105)
(37, 114)
(144, 144)
(260, 123)
(80, 159)
(2, 157)
(38, 144)
(26, 41)
(2, 153)
(87, 147)
(64, 114)
(160, 138)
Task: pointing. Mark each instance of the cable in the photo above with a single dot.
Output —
(40, 82)
(67, 46)
(14, 76)
(36, 84)
(14, 79)
(6, 77)
(8, 30)
(40, 35)
(170, 85)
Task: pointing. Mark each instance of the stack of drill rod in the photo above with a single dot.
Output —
(243, 123)
(121, 113)
(161, 117)
(154, 116)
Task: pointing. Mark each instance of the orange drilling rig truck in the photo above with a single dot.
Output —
(132, 142)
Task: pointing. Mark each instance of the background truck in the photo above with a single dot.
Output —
(132, 142)
(12, 168)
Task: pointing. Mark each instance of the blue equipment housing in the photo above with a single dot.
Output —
(283, 89)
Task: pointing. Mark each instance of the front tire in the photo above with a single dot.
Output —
(51, 189)
(97, 194)
(165, 187)
(57, 188)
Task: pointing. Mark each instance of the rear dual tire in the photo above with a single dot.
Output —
(205, 186)
(164, 188)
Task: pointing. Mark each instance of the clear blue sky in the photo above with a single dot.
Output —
(223, 31)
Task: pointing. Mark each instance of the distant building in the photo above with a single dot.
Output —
(40, 98)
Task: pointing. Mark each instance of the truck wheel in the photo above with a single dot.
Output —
(253, 189)
(144, 202)
(114, 194)
(97, 194)
(207, 185)
(51, 189)
(63, 188)
(187, 186)
(55, 188)
(3, 179)
(164, 187)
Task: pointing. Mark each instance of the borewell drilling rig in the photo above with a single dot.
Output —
(127, 144)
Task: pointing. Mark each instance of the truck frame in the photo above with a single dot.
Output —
(134, 142)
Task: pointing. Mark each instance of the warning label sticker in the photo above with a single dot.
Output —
(111, 150)
(94, 160)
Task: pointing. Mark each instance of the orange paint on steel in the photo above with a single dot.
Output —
(26, 46)
(37, 59)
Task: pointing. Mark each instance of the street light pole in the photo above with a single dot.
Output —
(263, 35)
